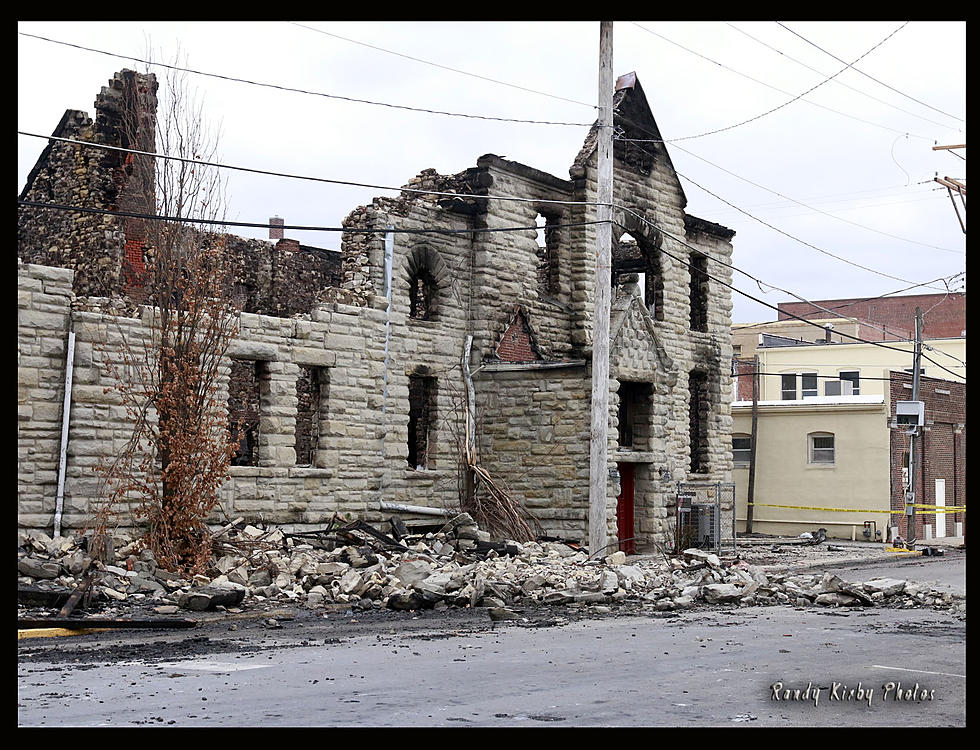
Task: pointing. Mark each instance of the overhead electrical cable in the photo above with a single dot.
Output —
(326, 180)
(857, 70)
(348, 230)
(840, 83)
(777, 288)
(444, 67)
(295, 227)
(756, 299)
(808, 206)
(305, 91)
(382, 187)
(795, 98)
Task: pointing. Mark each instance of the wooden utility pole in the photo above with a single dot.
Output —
(598, 471)
(914, 432)
(750, 498)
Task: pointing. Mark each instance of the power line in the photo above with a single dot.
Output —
(840, 83)
(296, 227)
(271, 173)
(884, 192)
(342, 229)
(765, 223)
(795, 98)
(836, 308)
(797, 239)
(774, 88)
(856, 70)
(444, 67)
(752, 297)
(304, 91)
(218, 222)
(805, 205)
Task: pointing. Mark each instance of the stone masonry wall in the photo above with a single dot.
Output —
(348, 470)
(43, 302)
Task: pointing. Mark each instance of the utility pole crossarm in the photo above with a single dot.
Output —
(951, 183)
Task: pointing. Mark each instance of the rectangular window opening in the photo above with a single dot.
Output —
(699, 292)
(808, 384)
(699, 410)
(788, 387)
(547, 254)
(244, 403)
(421, 420)
(310, 388)
(822, 449)
(741, 449)
(634, 415)
(854, 377)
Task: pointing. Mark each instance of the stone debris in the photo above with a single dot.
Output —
(457, 566)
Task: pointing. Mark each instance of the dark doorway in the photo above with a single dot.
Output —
(624, 509)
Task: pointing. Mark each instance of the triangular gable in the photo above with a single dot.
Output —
(519, 342)
(633, 119)
(634, 346)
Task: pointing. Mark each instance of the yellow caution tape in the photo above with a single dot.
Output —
(949, 508)
(835, 510)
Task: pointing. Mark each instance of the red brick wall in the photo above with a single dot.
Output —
(744, 370)
(941, 452)
(945, 318)
(516, 344)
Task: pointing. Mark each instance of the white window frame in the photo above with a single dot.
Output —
(856, 381)
(741, 463)
(804, 391)
(782, 387)
(811, 456)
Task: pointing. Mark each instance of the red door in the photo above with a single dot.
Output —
(624, 509)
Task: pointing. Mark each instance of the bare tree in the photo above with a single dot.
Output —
(174, 464)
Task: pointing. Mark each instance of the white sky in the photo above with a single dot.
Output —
(869, 162)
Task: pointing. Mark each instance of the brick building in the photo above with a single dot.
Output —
(940, 474)
(946, 318)
(353, 386)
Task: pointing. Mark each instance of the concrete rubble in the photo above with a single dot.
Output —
(455, 567)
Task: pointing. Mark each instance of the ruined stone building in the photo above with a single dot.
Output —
(352, 375)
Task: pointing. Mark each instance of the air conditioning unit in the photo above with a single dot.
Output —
(909, 413)
(838, 388)
(707, 522)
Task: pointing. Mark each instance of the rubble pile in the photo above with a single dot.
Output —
(361, 567)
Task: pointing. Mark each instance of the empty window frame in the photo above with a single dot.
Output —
(547, 254)
(634, 415)
(422, 295)
(808, 384)
(741, 449)
(854, 376)
(788, 386)
(244, 402)
(643, 258)
(699, 292)
(820, 448)
(421, 420)
(698, 413)
(311, 386)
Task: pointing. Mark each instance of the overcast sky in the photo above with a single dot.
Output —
(858, 152)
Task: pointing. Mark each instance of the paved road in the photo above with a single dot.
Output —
(709, 668)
